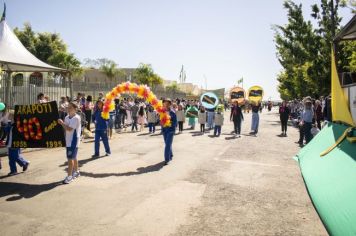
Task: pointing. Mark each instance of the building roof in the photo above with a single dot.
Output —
(348, 32)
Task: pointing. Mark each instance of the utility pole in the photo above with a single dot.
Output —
(206, 83)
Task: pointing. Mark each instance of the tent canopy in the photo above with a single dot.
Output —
(14, 57)
(348, 32)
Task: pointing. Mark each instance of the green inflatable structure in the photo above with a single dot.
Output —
(331, 179)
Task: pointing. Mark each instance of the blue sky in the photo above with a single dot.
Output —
(222, 40)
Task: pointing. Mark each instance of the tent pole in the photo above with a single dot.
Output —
(7, 88)
(70, 85)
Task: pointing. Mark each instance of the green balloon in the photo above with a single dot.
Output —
(2, 106)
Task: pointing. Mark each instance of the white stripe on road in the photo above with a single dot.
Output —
(223, 150)
(247, 162)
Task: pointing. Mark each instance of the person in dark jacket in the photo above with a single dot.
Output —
(284, 113)
(101, 130)
(168, 132)
(237, 117)
(318, 113)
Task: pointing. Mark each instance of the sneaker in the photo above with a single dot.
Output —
(76, 174)
(107, 154)
(25, 167)
(95, 156)
(67, 180)
(12, 173)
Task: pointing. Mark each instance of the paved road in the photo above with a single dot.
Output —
(214, 186)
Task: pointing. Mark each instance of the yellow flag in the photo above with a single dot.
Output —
(339, 107)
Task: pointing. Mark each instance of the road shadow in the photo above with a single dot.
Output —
(154, 135)
(82, 162)
(231, 138)
(139, 171)
(144, 134)
(24, 190)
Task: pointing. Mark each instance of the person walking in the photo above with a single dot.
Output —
(218, 121)
(168, 132)
(151, 119)
(72, 127)
(202, 119)
(14, 154)
(88, 110)
(117, 124)
(180, 118)
(255, 107)
(210, 116)
(306, 122)
(141, 117)
(101, 130)
(237, 117)
(134, 116)
(284, 113)
(318, 113)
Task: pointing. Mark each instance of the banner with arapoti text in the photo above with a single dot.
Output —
(36, 126)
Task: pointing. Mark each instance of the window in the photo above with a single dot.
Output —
(18, 80)
(36, 78)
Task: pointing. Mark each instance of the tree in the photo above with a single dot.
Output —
(49, 48)
(296, 46)
(67, 61)
(304, 51)
(144, 74)
(109, 69)
(107, 66)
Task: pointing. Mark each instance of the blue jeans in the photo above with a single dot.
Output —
(255, 122)
(237, 126)
(103, 134)
(210, 119)
(168, 140)
(15, 157)
(307, 128)
(151, 127)
(134, 123)
(118, 121)
(217, 130)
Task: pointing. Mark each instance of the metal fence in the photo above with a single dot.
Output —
(24, 90)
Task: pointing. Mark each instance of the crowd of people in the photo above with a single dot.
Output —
(307, 115)
(82, 113)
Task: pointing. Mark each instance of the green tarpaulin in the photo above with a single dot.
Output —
(331, 180)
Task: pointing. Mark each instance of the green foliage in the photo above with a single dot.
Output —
(173, 87)
(48, 47)
(144, 74)
(304, 50)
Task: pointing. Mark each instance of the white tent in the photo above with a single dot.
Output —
(14, 57)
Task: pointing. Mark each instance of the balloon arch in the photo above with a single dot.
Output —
(142, 91)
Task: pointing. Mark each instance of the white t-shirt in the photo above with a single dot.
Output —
(73, 136)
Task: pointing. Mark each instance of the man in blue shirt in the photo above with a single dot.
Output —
(168, 132)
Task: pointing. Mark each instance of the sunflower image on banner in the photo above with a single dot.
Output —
(255, 94)
(237, 94)
(209, 100)
(192, 112)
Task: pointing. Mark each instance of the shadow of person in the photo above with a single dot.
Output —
(144, 134)
(231, 138)
(83, 162)
(139, 171)
(21, 190)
